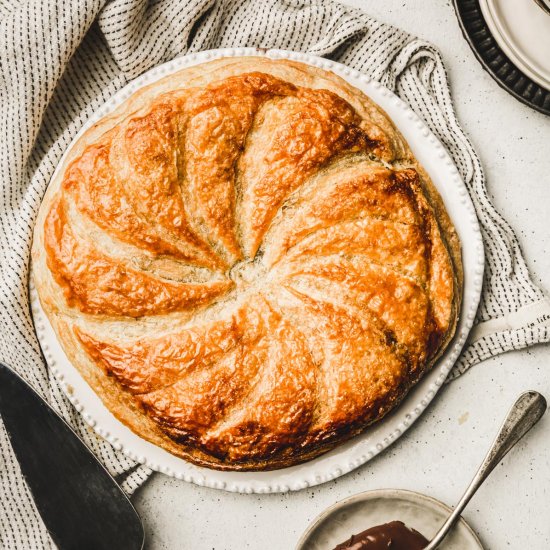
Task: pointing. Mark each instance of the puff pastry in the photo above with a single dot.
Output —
(247, 264)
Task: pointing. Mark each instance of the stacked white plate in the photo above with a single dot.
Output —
(522, 30)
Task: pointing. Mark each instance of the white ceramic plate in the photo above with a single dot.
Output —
(365, 510)
(361, 449)
(522, 30)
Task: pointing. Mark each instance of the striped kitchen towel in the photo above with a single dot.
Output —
(61, 59)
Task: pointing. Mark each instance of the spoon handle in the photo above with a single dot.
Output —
(525, 413)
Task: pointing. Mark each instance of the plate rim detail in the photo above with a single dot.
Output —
(496, 25)
(491, 57)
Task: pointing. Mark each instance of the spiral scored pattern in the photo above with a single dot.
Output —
(276, 248)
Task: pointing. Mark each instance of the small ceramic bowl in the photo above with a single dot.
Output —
(365, 510)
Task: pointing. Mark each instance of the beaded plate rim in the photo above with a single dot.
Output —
(356, 452)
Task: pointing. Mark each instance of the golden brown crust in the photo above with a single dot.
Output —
(247, 264)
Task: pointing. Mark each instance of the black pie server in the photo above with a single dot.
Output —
(80, 503)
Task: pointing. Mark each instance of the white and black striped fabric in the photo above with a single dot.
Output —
(61, 59)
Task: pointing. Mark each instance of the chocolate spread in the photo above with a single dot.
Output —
(394, 535)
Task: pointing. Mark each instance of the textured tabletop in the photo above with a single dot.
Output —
(440, 453)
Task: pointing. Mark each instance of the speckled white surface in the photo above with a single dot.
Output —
(440, 453)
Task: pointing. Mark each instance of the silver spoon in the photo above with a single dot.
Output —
(544, 4)
(525, 413)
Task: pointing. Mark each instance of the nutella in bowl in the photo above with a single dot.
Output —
(386, 514)
(394, 535)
